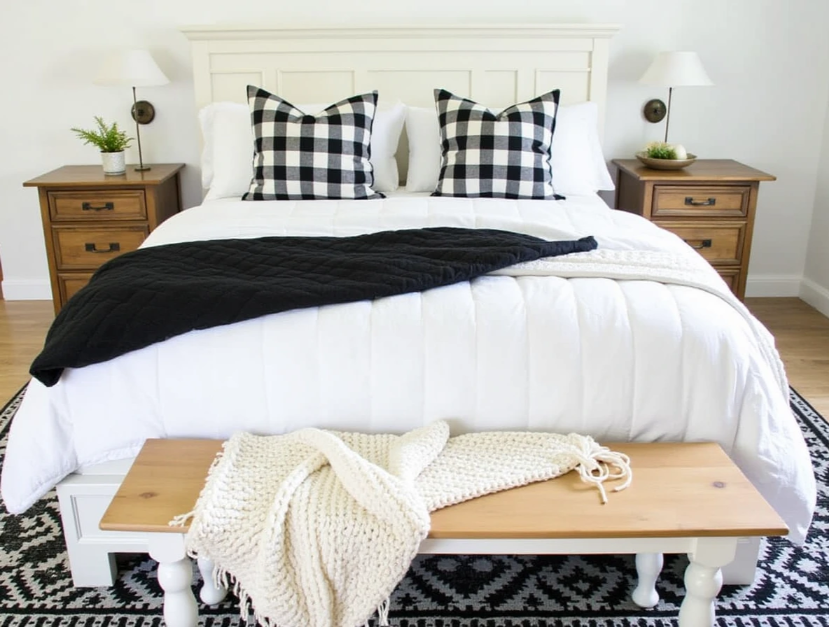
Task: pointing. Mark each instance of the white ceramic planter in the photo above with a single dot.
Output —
(114, 162)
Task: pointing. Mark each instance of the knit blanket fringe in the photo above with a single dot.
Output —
(316, 528)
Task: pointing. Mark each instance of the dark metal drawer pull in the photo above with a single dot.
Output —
(705, 243)
(107, 206)
(689, 200)
(114, 247)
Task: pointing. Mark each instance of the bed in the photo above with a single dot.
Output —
(622, 360)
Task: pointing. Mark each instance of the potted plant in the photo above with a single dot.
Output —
(111, 141)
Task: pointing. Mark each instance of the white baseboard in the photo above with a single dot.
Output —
(773, 285)
(15, 289)
(816, 295)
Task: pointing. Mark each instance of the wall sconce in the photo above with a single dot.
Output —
(672, 69)
(134, 68)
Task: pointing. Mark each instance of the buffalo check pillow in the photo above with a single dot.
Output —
(496, 155)
(306, 157)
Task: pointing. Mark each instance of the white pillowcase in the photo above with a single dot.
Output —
(576, 155)
(423, 132)
(227, 157)
(385, 135)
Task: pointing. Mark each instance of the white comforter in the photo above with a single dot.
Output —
(616, 359)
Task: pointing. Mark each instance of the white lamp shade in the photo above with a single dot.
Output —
(676, 69)
(131, 68)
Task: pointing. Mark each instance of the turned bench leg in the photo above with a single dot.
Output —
(703, 580)
(210, 593)
(175, 574)
(648, 568)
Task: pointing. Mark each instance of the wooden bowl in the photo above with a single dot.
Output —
(666, 164)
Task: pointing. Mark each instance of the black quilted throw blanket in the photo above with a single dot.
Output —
(153, 294)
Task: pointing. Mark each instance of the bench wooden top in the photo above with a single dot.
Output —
(678, 490)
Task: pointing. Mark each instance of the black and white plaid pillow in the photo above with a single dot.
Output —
(305, 157)
(496, 155)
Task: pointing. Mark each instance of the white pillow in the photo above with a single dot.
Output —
(227, 165)
(385, 135)
(576, 155)
(423, 131)
(227, 154)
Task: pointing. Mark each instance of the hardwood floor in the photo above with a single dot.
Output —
(802, 338)
(23, 325)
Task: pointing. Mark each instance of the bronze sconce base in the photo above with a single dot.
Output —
(655, 110)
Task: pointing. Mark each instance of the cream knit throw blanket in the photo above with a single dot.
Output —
(316, 528)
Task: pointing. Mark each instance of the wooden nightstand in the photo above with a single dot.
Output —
(709, 204)
(90, 218)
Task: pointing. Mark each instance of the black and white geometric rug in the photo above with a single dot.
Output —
(792, 589)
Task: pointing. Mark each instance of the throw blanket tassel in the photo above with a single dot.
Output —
(595, 467)
(182, 519)
(382, 614)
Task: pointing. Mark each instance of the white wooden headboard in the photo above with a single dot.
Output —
(494, 65)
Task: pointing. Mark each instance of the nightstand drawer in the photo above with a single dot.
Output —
(98, 205)
(732, 278)
(71, 283)
(726, 201)
(718, 243)
(86, 249)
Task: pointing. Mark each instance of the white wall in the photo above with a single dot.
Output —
(768, 58)
(815, 288)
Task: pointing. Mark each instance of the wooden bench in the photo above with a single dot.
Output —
(685, 498)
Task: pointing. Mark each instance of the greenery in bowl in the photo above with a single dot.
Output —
(105, 138)
(660, 150)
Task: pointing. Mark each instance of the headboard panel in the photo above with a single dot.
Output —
(494, 65)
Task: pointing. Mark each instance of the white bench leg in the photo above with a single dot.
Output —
(648, 568)
(210, 593)
(175, 574)
(703, 580)
(743, 570)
